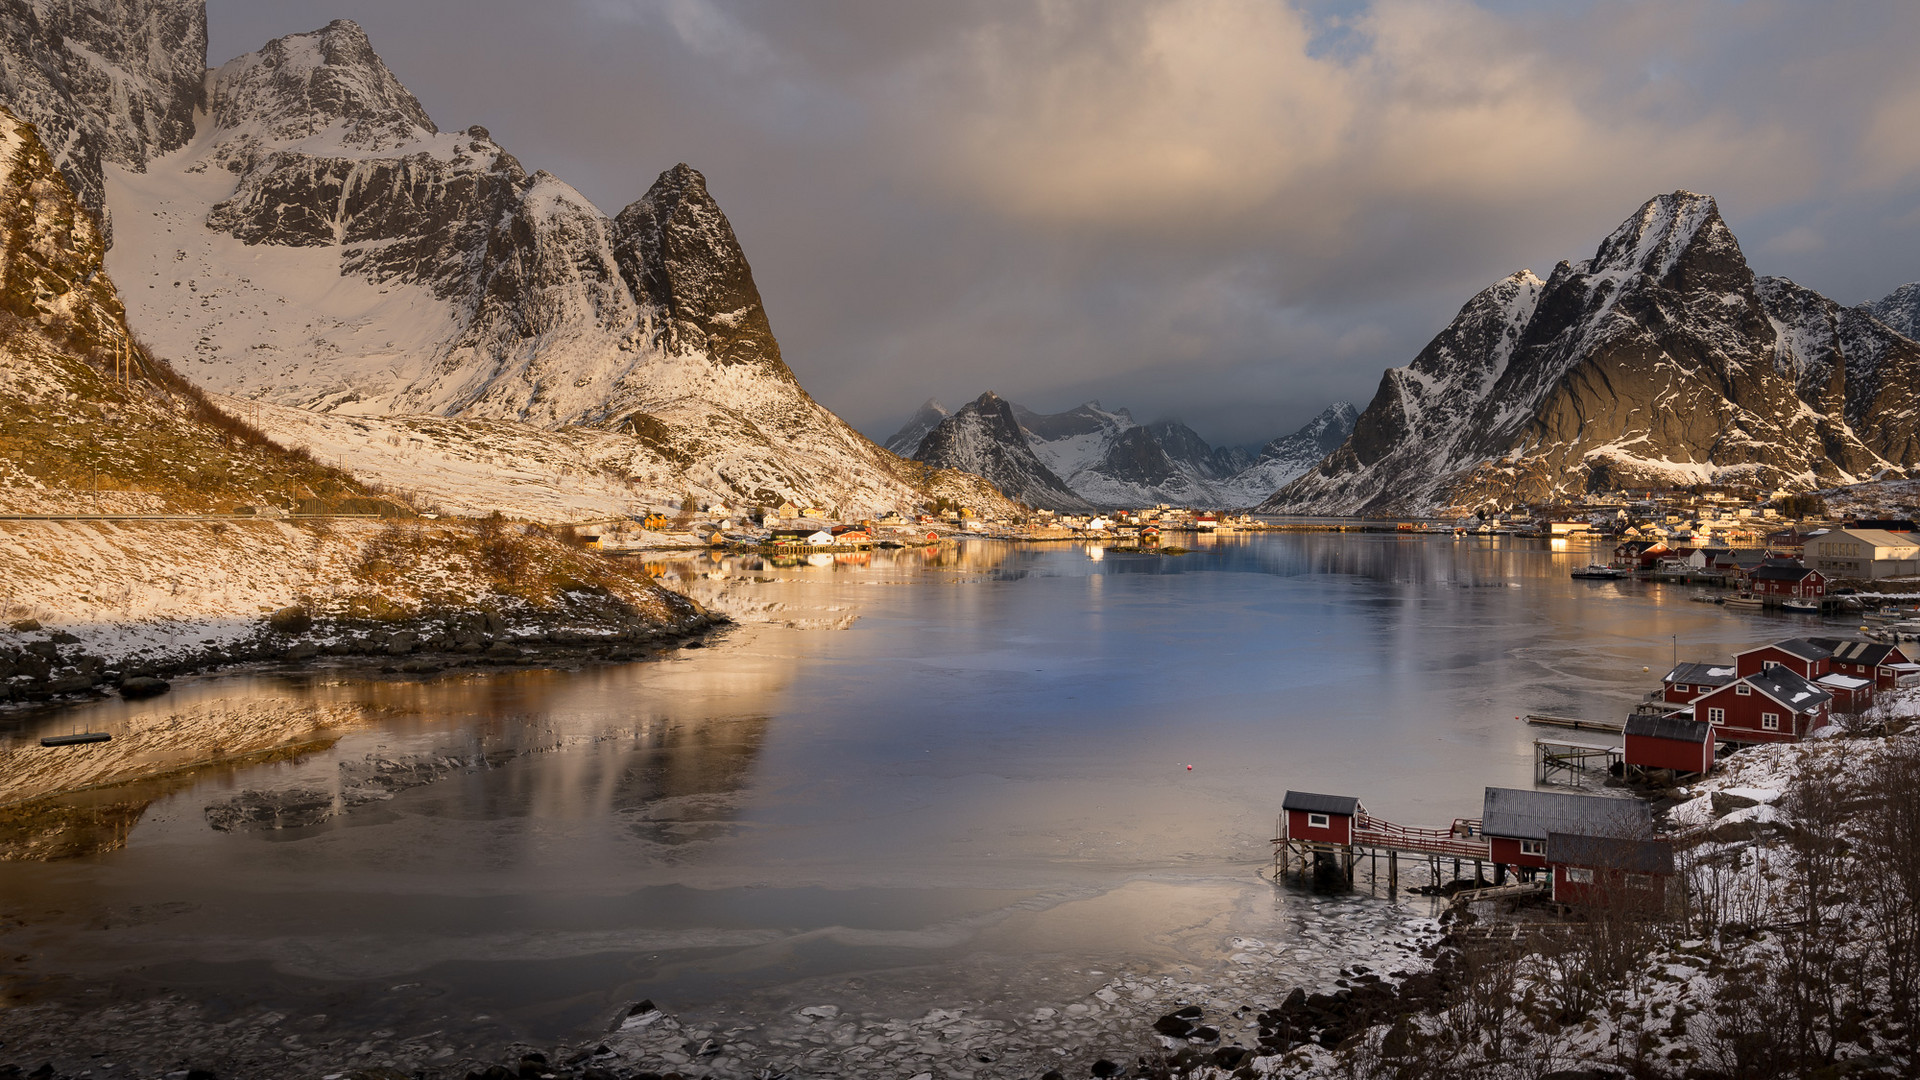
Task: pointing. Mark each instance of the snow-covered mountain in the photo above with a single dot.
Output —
(1899, 309)
(1661, 360)
(907, 440)
(984, 438)
(1289, 456)
(295, 228)
(1109, 460)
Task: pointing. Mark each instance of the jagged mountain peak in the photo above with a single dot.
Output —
(1899, 309)
(1661, 360)
(1658, 235)
(676, 249)
(298, 86)
(986, 439)
(906, 441)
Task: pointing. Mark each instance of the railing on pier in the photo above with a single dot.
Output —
(1464, 840)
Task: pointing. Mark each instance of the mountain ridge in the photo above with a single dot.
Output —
(1657, 361)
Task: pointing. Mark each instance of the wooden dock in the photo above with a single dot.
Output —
(1555, 761)
(1577, 724)
(1373, 837)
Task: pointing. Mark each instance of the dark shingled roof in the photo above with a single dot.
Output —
(1794, 646)
(1669, 727)
(1320, 804)
(1779, 570)
(1788, 688)
(1854, 651)
(1638, 856)
(1530, 815)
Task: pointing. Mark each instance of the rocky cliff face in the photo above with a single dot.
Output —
(320, 242)
(104, 81)
(984, 438)
(1658, 361)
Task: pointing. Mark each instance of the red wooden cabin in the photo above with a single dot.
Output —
(1776, 705)
(1327, 819)
(1668, 742)
(1785, 578)
(1609, 871)
(1516, 822)
(1804, 658)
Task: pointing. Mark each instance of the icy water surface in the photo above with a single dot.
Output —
(996, 779)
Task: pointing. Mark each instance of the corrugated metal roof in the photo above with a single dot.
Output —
(1636, 855)
(1343, 805)
(1667, 727)
(1530, 815)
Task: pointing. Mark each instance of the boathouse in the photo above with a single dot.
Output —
(1688, 681)
(1516, 822)
(1798, 655)
(1668, 742)
(1609, 871)
(1775, 705)
(1325, 819)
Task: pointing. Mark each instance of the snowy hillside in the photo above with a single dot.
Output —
(1289, 456)
(1659, 361)
(320, 243)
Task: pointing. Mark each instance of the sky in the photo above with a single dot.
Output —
(1229, 212)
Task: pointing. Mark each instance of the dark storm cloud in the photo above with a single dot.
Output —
(1230, 211)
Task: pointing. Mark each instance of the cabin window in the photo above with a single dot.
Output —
(1769, 665)
(1716, 716)
(1743, 690)
(1318, 821)
(1886, 671)
(1682, 687)
(1639, 881)
(1533, 847)
(1579, 876)
(1770, 721)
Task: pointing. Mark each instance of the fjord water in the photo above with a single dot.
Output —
(987, 777)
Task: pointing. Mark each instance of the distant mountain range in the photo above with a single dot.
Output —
(1089, 457)
(1660, 361)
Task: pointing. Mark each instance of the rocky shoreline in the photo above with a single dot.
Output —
(44, 665)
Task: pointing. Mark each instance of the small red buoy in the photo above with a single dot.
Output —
(1189, 768)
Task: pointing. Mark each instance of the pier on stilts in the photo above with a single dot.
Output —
(1316, 831)
(1556, 761)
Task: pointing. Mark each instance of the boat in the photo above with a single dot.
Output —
(76, 739)
(1744, 601)
(1802, 606)
(1598, 572)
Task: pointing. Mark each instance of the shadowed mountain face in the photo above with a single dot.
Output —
(1661, 360)
(907, 440)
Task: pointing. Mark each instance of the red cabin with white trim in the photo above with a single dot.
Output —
(1609, 871)
(1776, 705)
(1804, 658)
(1326, 819)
